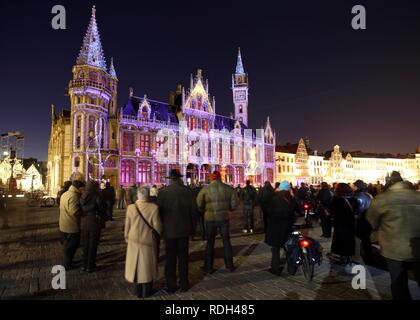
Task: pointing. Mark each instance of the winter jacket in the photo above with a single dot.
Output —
(216, 200)
(280, 218)
(70, 211)
(94, 212)
(249, 195)
(265, 195)
(395, 214)
(175, 204)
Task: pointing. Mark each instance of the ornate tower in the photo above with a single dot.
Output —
(93, 98)
(240, 91)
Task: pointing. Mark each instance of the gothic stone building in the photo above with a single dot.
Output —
(140, 142)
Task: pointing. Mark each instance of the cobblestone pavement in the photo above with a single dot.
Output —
(30, 246)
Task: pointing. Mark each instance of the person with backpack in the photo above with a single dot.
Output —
(280, 217)
(249, 196)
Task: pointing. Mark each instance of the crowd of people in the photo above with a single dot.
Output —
(351, 214)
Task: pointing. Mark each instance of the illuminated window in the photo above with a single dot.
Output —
(128, 172)
(145, 172)
(144, 143)
(128, 141)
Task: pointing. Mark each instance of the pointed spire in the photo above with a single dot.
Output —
(239, 64)
(91, 52)
(112, 70)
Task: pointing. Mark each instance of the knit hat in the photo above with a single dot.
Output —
(284, 186)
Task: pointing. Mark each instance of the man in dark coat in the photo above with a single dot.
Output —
(92, 222)
(175, 206)
(264, 198)
(324, 199)
(249, 197)
(280, 220)
(108, 195)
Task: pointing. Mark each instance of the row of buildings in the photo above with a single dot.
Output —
(139, 142)
(297, 163)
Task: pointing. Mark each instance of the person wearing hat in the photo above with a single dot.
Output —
(280, 219)
(175, 204)
(216, 200)
(363, 228)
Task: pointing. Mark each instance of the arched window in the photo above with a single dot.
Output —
(145, 112)
(160, 173)
(128, 141)
(145, 172)
(240, 109)
(144, 143)
(128, 172)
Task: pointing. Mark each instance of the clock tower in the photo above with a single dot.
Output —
(240, 91)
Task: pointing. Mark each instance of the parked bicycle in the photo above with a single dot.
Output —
(303, 251)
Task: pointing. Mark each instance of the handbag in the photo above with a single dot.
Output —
(155, 234)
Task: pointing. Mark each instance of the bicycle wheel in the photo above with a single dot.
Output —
(49, 202)
(307, 267)
(32, 203)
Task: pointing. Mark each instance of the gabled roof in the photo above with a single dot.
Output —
(160, 110)
(221, 122)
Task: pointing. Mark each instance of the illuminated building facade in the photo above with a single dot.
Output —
(140, 142)
(296, 163)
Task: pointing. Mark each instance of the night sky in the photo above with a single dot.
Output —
(308, 69)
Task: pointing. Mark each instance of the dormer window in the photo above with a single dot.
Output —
(145, 112)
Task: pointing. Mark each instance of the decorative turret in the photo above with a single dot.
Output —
(240, 91)
(112, 70)
(239, 64)
(91, 52)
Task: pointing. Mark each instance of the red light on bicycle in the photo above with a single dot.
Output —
(306, 206)
(304, 243)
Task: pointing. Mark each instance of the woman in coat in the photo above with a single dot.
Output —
(141, 265)
(343, 207)
(92, 222)
(280, 218)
